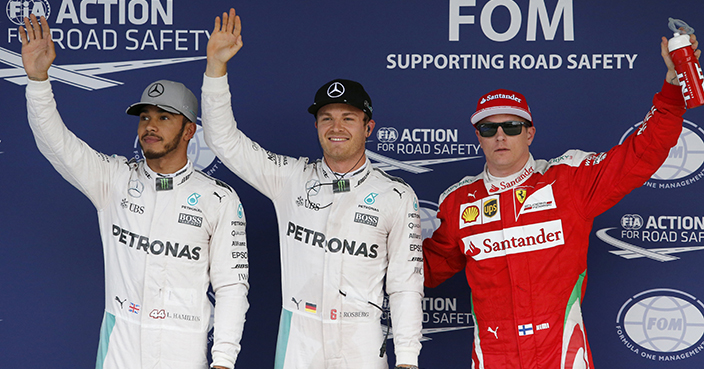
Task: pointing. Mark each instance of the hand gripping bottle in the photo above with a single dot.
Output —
(689, 71)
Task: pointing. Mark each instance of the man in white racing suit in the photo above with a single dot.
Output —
(168, 231)
(347, 231)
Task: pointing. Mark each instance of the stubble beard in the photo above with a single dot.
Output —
(168, 148)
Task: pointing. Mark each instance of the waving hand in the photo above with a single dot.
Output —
(224, 43)
(37, 48)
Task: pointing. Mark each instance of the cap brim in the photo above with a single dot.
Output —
(313, 109)
(137, 108)
(487, 112)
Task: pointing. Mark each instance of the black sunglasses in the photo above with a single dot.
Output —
(511, 128)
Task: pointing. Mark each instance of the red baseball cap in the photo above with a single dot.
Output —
(502, 101)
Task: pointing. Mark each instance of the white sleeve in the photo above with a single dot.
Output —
(404, 281)
(262, 169)
(229, 276)
(86, 169)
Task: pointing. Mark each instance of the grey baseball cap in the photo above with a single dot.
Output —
(171, 96)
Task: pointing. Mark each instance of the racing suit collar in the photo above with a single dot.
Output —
(499, 184)
(357, 177)
(165, 182)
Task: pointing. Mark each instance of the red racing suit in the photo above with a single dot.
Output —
(523, 241)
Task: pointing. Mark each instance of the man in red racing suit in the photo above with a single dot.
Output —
(520, 229)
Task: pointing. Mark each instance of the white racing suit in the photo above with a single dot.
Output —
(336, 250)
(164, 241)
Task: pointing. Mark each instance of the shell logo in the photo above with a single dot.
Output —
(470, 214)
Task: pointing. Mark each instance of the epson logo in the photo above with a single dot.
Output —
(190, 220)
(366, 219)
(239, 255)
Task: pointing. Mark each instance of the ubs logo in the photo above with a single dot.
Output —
(307, 203)
(134, 208)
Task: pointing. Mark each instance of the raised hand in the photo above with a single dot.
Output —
(671, 73)
(224, 43)
(37, 48)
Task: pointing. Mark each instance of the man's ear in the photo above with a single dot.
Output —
(530, 134)
(370, 127)
(190, 131)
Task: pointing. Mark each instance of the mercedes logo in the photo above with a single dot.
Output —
(336, 90)
(157, 89)
(313, 187)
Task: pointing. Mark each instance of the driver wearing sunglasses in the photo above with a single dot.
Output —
(505, 130)
(520, 229)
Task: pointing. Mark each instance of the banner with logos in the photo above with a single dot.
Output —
(588, 71)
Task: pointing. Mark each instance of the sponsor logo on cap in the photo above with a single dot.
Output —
(156, 90)
(336, 90)
(500, 96)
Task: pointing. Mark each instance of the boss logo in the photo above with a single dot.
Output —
(189, 219)
(366, 219)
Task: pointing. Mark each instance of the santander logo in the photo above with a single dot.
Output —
(473, 250)
(514, 182)
(514, 240)
(500, 96)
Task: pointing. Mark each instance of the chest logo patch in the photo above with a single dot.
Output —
(542, 199)
(514, 240)
(480, 212)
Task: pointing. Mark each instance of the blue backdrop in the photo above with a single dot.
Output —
(588, 70)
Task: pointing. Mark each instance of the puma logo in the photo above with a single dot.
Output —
(494, 331)
(296, 302)
(219, 197)
(121, 302)
(400, 194)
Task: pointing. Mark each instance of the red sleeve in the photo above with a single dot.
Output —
(603, 179)
(442, 255)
